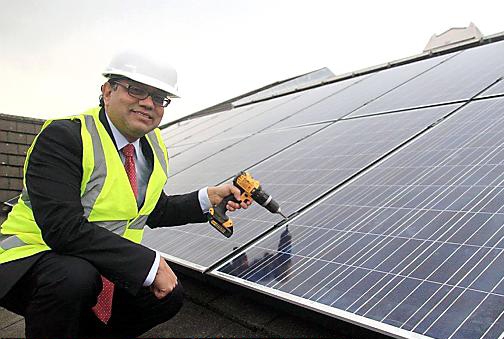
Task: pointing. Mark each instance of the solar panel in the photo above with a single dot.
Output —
(224, 123)
(339, 151)
(261, 117)
(413, 247)
(12, 201)
(459, 78)
(306, 80)
(194, 134)
(183, 244)
(217, 136)
(307, 170)
(292, 105)
(184, 125)
(299, 102)
(352, 97)
(174, 151)
(171, 133)
(228, 162)
(194, 153)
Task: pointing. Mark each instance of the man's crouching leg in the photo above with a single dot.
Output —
(54, 294)
(134, 315)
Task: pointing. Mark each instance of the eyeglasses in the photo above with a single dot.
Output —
(141, 94)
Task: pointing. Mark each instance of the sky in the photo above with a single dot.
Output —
(52, 52)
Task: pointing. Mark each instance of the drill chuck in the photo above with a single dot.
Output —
(266, 200)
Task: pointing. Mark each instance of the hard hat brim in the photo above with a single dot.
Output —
(146, 80)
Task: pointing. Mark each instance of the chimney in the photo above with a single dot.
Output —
(454, 37)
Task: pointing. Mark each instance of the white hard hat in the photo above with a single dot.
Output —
(144, 69)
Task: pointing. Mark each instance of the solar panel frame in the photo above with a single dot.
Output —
(12, 201)
(496, 89)
(447, 267)
(336, 313)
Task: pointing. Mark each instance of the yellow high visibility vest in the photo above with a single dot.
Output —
(106, 194)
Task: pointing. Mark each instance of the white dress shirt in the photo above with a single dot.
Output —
(143, 171)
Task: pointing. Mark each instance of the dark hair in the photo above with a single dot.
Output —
(112, 80)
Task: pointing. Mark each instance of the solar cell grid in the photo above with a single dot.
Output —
(231, 160)
(459, 78)
(200, 244)
(309, 105)
(214, 136)
(416, 243)
(295, 176)
(307, 170)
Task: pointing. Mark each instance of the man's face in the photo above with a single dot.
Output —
(131, 116)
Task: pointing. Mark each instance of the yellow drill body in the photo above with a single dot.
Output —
(250, 189)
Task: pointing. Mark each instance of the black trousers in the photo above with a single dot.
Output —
(56, 296)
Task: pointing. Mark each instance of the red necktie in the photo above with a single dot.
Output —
(103, 307)
(129, 166)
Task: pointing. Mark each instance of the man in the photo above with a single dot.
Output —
(70, 258)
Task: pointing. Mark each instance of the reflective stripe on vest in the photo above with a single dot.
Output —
(8, 242)
(153, 138)
(120, 226)
(96, 181)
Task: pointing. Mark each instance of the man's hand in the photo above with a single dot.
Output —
(165, 280)
(217, 193)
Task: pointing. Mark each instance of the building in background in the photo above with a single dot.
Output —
(16, 136)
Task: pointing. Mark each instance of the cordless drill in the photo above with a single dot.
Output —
(250, 190)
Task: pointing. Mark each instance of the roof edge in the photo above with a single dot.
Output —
(21, 118)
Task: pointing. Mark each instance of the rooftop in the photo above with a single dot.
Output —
(217, 308)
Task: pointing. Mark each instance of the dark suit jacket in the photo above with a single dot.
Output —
(53, 181)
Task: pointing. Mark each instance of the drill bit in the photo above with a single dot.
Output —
(283, 215)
